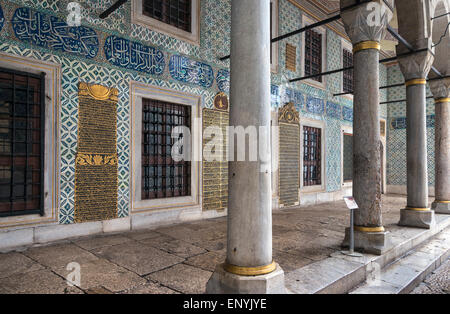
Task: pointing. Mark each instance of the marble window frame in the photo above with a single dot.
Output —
(319, 124)
(138, 91)
(306, 20)
(348, 46)
(193, 37)
(52, 164)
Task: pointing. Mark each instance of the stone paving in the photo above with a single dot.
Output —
(438, 282)
(175, 259)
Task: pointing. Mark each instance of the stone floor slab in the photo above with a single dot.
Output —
(207, 261)
(36, 282)
(138, 257)
(101, 273)
(16, 263)
(178, 248)
(97, 242)
(59, 256)
(183, 278)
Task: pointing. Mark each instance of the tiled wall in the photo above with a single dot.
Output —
(396, 150)
(178, 65)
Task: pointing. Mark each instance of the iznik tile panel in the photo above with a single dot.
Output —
(333, 110)
(134, 56)
(347, 113)
(189, 71)
(223, 80)
(315, 105)
(50, 32)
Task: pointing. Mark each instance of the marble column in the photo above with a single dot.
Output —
(370, 235)
(249, 267)
(441, 92)
(415, 69)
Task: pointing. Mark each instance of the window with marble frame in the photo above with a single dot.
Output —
(180, 19)
(314, 50)
(347, 61)
(148, 195)
(36, 133)
(312, 155)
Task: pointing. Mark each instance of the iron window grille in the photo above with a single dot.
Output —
(22, 143)
(162, 177)
(173, 12)
(311, 156)
(313, 54)
(347, 61)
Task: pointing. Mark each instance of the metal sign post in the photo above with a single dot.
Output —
(351, 204)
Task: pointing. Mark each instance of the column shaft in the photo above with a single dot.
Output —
(366, 139)
(250, 204)
(442, 150)
(417, 177)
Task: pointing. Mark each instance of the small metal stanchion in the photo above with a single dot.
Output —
(351, 204)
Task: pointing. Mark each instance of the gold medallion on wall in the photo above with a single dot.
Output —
(289, 170)
(96, 166)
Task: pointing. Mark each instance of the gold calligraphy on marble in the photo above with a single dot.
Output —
(96, 162)
(289, 171)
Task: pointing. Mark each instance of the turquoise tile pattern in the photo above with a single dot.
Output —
(175, 64)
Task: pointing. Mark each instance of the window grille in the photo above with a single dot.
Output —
(173, 12)
(313, 54)
(347, 60)
(22, 127)
(311, 156)
(162, 177)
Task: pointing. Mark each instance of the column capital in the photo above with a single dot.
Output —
(366, 22)
(416, 66)
(440, 88)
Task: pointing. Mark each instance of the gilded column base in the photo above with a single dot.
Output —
(369, 240)
(224, 282)
(417, 217)
(441, 207)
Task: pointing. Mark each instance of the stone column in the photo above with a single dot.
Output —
(370, 235)
(441, 92)
(249, 267)
(415, 69)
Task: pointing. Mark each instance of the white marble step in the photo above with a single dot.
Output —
(405, 274)
(340, 273)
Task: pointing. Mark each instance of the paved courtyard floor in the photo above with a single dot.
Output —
(175, 259)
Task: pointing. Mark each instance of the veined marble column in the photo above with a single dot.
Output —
(370, 235)
(441, 92)
(249, 267)
(415, 69)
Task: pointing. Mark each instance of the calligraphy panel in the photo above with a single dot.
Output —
(288, 120)
(189, 71)
(347, 113)
(50, 32)
(333, 110)
(96, 169)
(134, 56)
(315, 105)
(223, 80)
(215, 172)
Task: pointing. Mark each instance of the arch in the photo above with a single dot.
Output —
(441, 41)
(414, 23)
